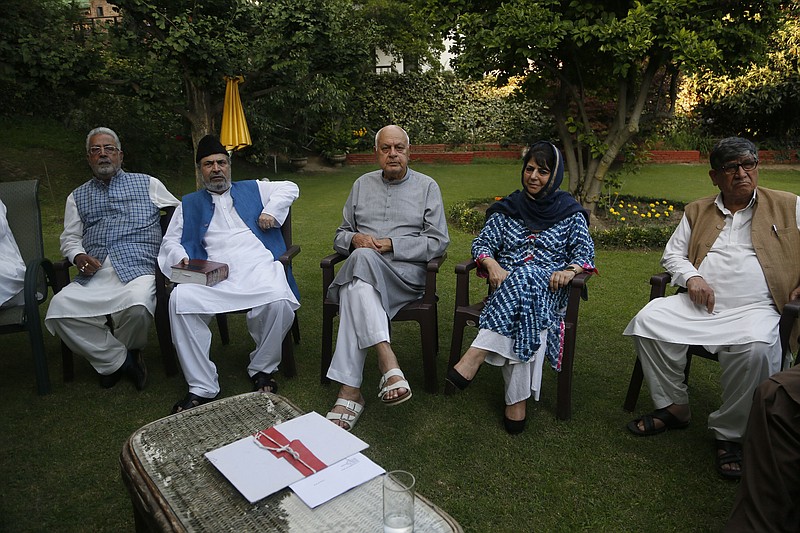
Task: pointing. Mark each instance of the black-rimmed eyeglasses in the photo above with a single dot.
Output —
(732, 168)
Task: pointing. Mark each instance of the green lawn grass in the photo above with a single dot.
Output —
(59, 453)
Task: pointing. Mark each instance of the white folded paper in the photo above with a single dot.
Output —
(256, 472)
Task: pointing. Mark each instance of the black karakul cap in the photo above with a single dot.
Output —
(207, 146)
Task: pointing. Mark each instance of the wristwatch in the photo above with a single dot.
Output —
(571, 268)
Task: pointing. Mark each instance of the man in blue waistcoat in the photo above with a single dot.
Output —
(237, 224)
(111, 233)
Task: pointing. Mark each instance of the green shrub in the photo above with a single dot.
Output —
(633, 237)
(640, 223)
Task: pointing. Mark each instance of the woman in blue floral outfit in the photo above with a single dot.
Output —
(532, 245)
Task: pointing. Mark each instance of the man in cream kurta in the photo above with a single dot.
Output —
(239, 216)
(112, 234)
(393, 223)
(728, 308)
(12, 267)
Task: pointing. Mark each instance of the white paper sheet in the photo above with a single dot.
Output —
(257, 473)
(336, 479)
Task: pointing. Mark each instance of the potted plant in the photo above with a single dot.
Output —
(335, 140)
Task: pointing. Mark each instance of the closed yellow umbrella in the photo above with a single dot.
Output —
(235, 134)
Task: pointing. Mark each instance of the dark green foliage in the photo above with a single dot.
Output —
(440, 108)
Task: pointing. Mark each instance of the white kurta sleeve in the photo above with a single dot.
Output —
(159, 194)
(277, 198)
(676, 255)
(72, 236)
(172, 251)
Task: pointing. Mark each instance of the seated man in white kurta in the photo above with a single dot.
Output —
(112, 232)
(393, 224)
(237, 224)
(12, 267)
(737, 255)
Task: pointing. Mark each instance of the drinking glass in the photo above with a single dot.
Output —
(398, 502)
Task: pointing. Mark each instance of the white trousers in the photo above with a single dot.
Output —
(522, 379)
(362, 323)
(91, 336)
(267, 324)
(742, 367)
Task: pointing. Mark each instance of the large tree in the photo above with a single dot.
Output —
(600, 64)
(178, 52)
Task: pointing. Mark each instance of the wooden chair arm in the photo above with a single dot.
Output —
(658, 284)
(462, 281)
(434, 264)
(289, 254)
(326, 264)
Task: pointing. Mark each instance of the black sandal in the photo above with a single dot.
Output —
(190, 401)
(668, 420)
(261, 380)
(732, 455)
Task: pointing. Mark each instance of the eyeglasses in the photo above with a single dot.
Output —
(732, 168)
(107, 148)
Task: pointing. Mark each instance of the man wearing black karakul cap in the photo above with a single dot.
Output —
(238, 224)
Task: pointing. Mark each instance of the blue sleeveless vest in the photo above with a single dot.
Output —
(198, 209)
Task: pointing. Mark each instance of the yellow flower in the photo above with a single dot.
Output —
(622, 219)
(657, 215)
(652, 205)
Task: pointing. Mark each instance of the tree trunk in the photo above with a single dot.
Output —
(200, 116)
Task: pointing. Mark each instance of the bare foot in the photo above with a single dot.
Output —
(470, 362)
(516, 411)
(396, 393)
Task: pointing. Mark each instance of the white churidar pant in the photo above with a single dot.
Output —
(267, 324)
(91, 337)
(362, 323)
(743, 367)
(521, 379)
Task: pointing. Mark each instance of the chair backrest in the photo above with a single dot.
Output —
(24, 218)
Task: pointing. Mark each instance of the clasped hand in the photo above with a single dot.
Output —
(361, 240)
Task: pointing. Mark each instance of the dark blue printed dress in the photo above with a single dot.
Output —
(524, 305)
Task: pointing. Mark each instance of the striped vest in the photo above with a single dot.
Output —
(120, 221)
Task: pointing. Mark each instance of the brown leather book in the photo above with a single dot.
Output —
(199, 271)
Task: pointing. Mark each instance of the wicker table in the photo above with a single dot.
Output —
(173, 487)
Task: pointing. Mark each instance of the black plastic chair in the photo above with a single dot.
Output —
(21, 199)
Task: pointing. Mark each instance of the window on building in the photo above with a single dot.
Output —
(99, 11)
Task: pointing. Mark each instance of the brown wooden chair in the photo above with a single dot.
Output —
(21, 199)
(466, 314)
(168, 355)
(658, 289)
(423, 311)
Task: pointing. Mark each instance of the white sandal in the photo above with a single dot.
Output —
(354, 407)
(402, 384)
